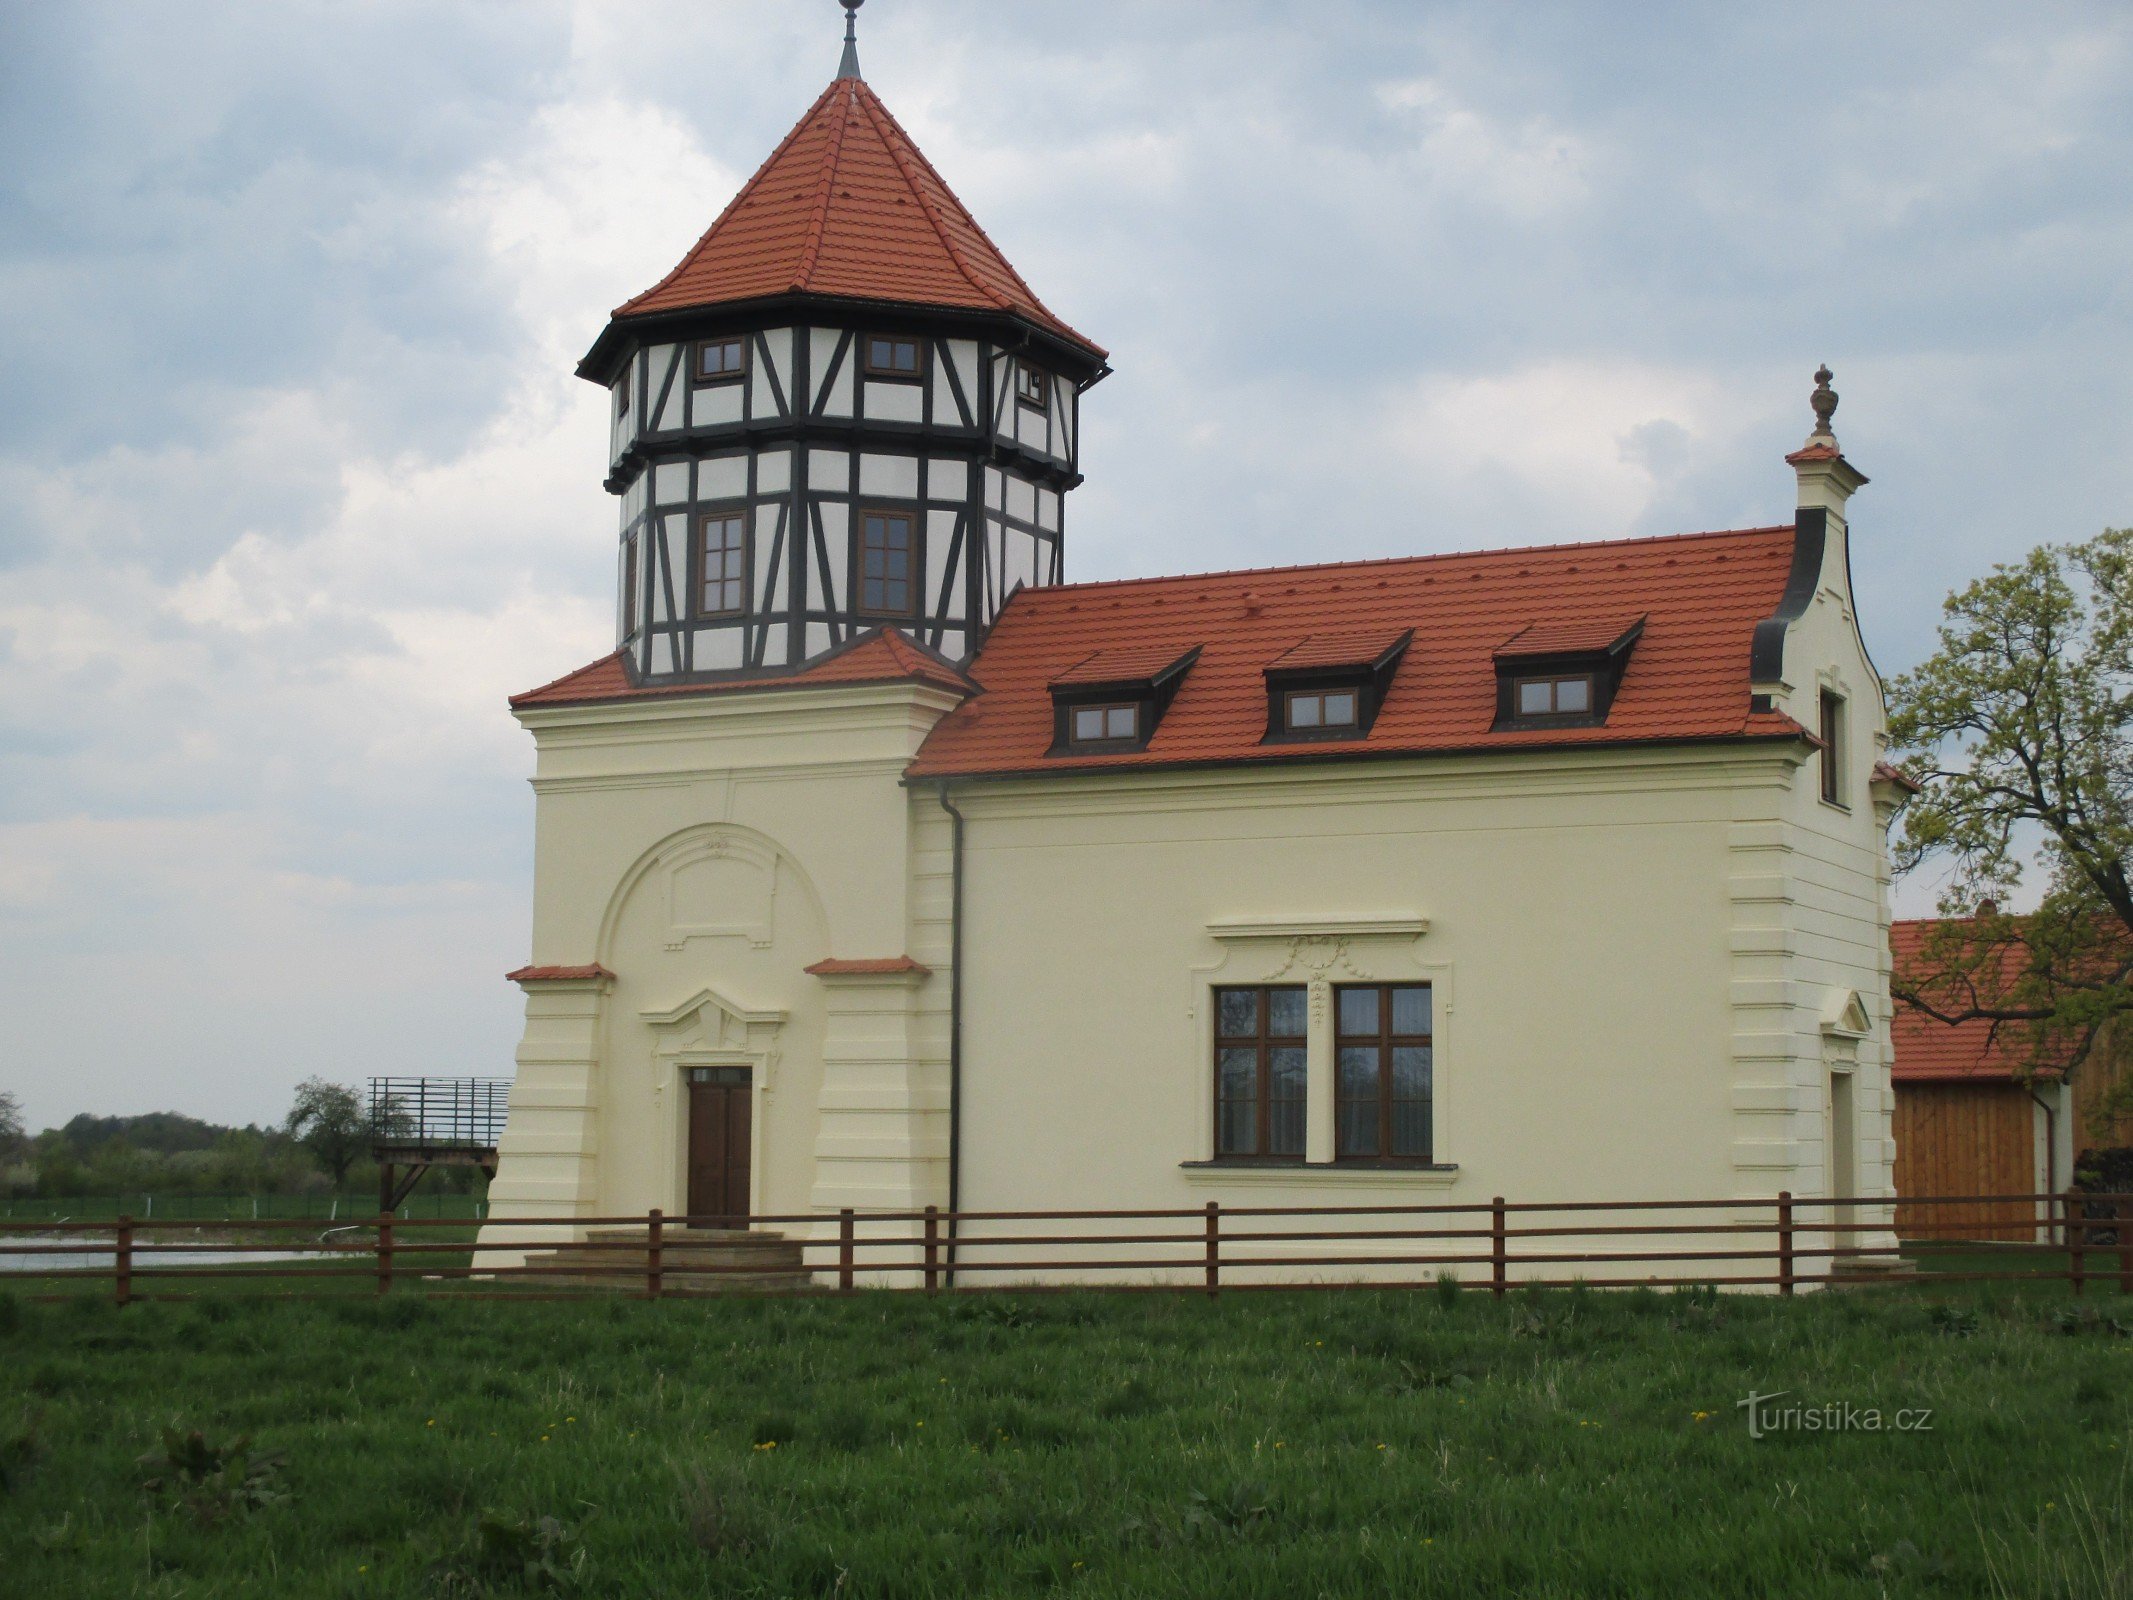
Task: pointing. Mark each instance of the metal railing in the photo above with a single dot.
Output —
(1781, 1244)
(438, 1113)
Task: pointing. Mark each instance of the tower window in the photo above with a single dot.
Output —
(1116, 724)
(622, 398)
(722, 564)
(1323, 710)
(888, 563)
(720, 360)
(1033, 386)
(1569, 696)
(885, 356)
(1833, 748)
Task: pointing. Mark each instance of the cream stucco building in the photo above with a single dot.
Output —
(880, 868)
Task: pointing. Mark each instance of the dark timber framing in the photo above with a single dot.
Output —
(804, 435)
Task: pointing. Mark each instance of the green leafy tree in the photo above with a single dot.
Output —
(12, 1132)
(328, 1120)
(2020, 729)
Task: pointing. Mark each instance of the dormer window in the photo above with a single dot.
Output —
(1327, 710)
(1330, 685)
(1033, 386)
(1101, 725)
(1555, 697)
(720, 360)
(892, 356)
(1562, 675)
(1112, 701)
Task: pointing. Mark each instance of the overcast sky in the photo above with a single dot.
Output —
(296, 484)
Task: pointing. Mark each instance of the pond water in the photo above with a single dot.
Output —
(95, 1254)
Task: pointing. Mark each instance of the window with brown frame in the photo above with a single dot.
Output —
(890, 356)
(1104, 724)
(629, 586)
(1832, 748)
(719, 361)
(1033, 386)
(722, 564)
(1260, 1073)
(1322, 710)
(622, 397)
(888, 563)
(1565, 695)
(1383, 1072)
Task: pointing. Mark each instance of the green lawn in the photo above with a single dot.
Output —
(1290, 1445)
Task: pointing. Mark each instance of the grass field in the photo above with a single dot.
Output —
(1352, 1444)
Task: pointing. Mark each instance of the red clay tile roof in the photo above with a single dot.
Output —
(1701, 594)
(882, 655)
(557, 974)
(1929, 1050)
(847, 207)
(868, 967)
(1885, 772)
(1338, 650)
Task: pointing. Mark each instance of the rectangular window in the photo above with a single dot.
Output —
(1832, 748)
(887, 357)
(1554, 697)
(1033, 386)
(1383, 1072)
(1105, 724)
(622, 397)
(888, 563)
(720, 360)
(722, 564)
(1323, 710)
(629, 586)
(1260, 1071)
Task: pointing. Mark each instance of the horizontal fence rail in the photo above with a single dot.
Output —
(1778, 1245)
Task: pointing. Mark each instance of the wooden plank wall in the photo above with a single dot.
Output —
(2090, 1085)
(1964, 1138)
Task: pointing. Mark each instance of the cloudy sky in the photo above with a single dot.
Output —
(296, 484)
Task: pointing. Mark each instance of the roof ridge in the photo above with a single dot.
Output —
(825, 186)
(870, 103)
(1421, 556)
(740, 194)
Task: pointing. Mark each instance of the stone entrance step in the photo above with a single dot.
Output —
(693, 1261)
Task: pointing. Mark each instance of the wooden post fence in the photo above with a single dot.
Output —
(2125, 1248)
(122, 1261)
(654, 1260)
(1213, 1268)
(933, 1248)
(385, 1252)
(845, 1231)
(2077, 1238)
(1499, 1249)
(1785, 1272)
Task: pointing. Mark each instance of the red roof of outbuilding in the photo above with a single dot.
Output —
(1927, 1049)
(1687, 678)
(846, 206)
(882, 655)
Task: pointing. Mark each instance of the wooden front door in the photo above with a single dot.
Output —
(718, 1143)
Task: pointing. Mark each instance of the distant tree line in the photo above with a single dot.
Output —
(322, 1146)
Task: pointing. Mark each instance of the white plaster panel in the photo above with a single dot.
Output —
(670, 483)
(718, 648)
(888, 475)
(773, 472)
(829, 471)
(715, 404)
(895, 402)
(722, 478)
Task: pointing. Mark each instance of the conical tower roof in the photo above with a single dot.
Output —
(847, 208)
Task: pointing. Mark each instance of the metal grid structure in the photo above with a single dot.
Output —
(437, 1113)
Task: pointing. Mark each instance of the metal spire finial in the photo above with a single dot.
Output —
(849, 67)
(1824, 400)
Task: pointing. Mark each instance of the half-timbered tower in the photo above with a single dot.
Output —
(842, 409)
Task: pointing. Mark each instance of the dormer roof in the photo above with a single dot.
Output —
(847, 208)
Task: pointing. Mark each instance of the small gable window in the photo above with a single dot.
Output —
(1113, 700)
(1105, 724)
(889, 356)
(721, 360)
(1555, 696)
(1033, 386)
